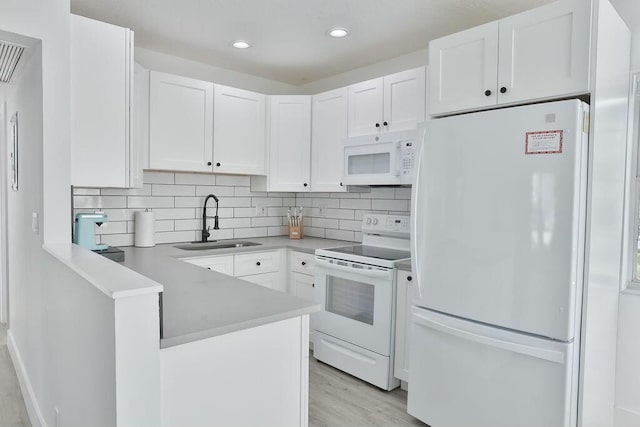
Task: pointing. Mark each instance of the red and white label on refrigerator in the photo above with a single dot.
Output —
(544, 142)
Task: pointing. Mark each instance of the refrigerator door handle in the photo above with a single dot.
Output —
(539, 353)
(415, 215)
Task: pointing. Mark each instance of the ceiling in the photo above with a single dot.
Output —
(289, 36)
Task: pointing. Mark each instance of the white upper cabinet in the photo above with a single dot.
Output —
(463, 70)
(390, 103)
(329, 130)
(239, 131)
(545, 52)
(289, 143)
(404, 99)
(180, 123)
(103, 154)
(365, 107)
(539, 54)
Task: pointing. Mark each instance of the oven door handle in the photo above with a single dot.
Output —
(380, 274)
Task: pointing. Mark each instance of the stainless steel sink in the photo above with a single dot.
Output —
(223, 244)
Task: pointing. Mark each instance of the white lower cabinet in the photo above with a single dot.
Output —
(221, 264)
(301, 285)
(404, 281)
(268, 280)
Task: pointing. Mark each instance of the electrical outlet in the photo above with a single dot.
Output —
(322, 210)
(261, 210)
(35, 223)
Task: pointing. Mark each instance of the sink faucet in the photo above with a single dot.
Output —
(205, 229)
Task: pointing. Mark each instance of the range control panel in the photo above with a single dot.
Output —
(373, 223)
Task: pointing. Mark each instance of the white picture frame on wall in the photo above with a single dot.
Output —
(13, 152)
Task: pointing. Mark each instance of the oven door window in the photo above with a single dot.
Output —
(351, 299)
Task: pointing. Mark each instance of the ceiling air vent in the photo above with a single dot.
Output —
(10, 55)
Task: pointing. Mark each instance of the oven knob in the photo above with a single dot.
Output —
(375, 221)
(368, 221)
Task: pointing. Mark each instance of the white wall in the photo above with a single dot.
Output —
(172, 64)
(390, 66)
(158, 61)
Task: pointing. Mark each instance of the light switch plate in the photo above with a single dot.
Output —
(35, 223)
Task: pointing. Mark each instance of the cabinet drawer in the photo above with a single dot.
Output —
(257, 263)
(302, 262)
(268, 280)
(221, 264)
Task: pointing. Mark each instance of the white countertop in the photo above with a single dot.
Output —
(198, 303)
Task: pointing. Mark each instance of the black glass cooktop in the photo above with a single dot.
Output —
(373, 252)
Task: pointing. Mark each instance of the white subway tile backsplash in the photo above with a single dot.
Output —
(195, 179)
(266, 221)
(152, 177)
(150, 202)
(339, 234)
(390, 205)
(174, 213)
(355, 203)
(218, 191)
(177, 198)
(175, 236)
(247, 233)
(173, 190)
(233, 180)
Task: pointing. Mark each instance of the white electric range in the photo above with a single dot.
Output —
(354, 331)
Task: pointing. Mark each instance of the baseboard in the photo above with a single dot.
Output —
(29, 397)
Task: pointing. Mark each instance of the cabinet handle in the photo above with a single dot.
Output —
(409, 278)
(313, 285)
(258, 263)
(218, 164)
(304, 263)
(305, 184)
(386, 124)
(487, 92)
(377, 125)
(208, 163)
(503, 89)
(341, 185)
(208, 268)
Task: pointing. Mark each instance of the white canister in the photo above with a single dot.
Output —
(145, 235)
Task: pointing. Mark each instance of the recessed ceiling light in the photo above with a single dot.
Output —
(338, 32)
(241, 44)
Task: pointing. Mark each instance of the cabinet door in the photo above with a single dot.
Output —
(239, 131)
(463, 69)
(302, 286)
(404, 102)
(329, 131)
(180, 123)
(365, 107)
(290, 143)
(268, 280)
(403, 324)
(140, 124)
(545, 52)
(101, 93)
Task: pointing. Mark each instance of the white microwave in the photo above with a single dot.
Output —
(384, 159)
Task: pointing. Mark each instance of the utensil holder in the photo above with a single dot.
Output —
(296, 233)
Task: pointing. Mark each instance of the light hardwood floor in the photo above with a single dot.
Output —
(12, 410)
(337, 399)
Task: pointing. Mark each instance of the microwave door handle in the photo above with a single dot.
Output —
(363, 272)
(398, 158)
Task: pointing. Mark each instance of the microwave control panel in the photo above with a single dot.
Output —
(407, 157)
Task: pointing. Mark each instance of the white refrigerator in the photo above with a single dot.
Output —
(498, 250)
